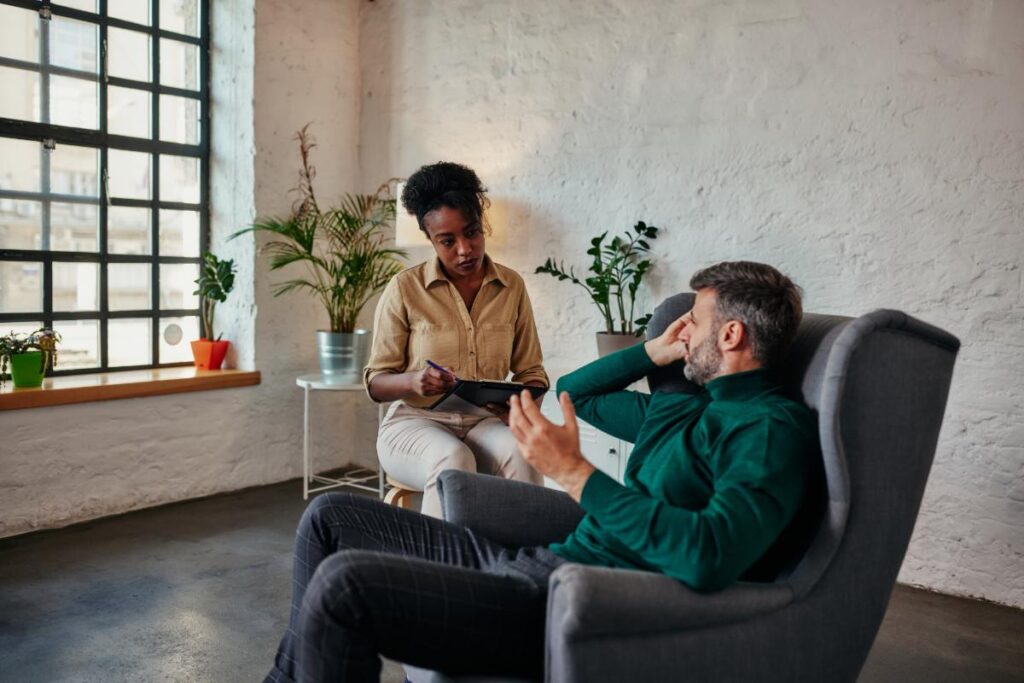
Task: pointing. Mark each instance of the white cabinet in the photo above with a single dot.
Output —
(604, 452)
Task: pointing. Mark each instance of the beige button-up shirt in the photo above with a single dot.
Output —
(421, 316)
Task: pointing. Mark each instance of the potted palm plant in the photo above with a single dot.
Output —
(216, 280)
(616, 273)
(346, 261)
(29, 356)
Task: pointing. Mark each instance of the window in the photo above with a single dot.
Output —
(104, 129)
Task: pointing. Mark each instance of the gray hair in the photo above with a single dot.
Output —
(759, 296)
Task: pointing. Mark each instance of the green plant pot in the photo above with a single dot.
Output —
(27, 369)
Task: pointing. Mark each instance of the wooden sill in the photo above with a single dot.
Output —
(107, 386)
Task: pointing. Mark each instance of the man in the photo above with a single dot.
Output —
(713, 480)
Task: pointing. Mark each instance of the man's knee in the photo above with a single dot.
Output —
(329, 506)
(333, 592)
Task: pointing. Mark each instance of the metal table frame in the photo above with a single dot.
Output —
(356, 478)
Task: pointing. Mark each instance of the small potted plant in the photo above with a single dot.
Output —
(618, 269)
(216, 280)
(29, 356)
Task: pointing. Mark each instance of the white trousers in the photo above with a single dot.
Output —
(416, 445)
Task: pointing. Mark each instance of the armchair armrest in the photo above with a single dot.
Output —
(512, 513)
(586, 602)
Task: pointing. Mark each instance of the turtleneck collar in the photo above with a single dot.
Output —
(742, 386)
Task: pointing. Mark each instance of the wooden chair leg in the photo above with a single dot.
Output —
(400, 498)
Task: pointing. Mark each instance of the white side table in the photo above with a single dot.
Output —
(356, 478)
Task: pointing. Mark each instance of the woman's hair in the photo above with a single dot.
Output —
(446, 184)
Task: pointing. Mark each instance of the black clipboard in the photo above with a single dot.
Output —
(470, 396)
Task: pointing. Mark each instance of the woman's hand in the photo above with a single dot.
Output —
(431, 382)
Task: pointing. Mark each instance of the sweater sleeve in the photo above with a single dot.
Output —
(598, 392)
(759, 483)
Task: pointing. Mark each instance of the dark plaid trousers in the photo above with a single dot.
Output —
(371, 579)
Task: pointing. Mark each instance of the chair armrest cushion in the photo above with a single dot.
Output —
(512, 513)
(585, 601)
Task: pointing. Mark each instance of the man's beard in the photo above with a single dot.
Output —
(705, 362)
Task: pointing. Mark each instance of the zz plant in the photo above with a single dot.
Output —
(616, 273)
(216, 280)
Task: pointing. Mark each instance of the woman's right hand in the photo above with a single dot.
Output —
(431, 382)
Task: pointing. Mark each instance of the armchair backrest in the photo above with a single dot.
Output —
(878, 384)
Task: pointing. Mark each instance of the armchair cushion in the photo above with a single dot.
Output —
(586, 602)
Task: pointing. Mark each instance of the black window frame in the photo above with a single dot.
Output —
(47, 134)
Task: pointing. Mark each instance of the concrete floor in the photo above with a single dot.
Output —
(199, 591)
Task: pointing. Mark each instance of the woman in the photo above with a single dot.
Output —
(460, 311)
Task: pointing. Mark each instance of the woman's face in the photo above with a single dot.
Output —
(459, 242)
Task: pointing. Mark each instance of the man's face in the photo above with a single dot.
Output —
(700, 334)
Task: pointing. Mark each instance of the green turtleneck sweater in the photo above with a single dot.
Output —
(712, 481)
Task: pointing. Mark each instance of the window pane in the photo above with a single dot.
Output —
(74, 102)
(20, 94)
(179, 64)
(85, 5)
(179, 179)
(129, 174)
(129, 10)
(129, 54)
(74, 44)
(188, 329)
(177, 282)
(179, 233)
(20, 34)
(128, 230)
(20, 328)
(128, 286)
(75, 170)
(79, 344)
(129, 342)
(180, 16)
(76, 286)
(19, 165)
(21, 224)
(179, 119)
(74, 227)
(128, 112)
(21, 286)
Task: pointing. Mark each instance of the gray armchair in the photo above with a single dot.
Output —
(879, 385)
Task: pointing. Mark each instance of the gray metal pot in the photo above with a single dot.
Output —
(343, 355)
(610, 343)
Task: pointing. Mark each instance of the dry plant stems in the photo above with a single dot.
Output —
(342, 247)
(15, 343)
(618, 269)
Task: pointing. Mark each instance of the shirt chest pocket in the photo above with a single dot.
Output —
(439, 343)
(496, 343)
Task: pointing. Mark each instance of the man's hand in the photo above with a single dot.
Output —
(431, 382)
(552, 450)
(668, 347)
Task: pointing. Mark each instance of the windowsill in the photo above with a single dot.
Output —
(107, 386)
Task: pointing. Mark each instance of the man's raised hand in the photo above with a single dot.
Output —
(552, 449)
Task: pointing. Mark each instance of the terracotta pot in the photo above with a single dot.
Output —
(610, 343)
(208, 354)
(27, 369)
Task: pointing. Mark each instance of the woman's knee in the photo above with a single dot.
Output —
(458, 457)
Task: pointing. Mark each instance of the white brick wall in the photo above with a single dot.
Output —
(873, 150)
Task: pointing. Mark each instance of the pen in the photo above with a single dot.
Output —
(438, 367)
